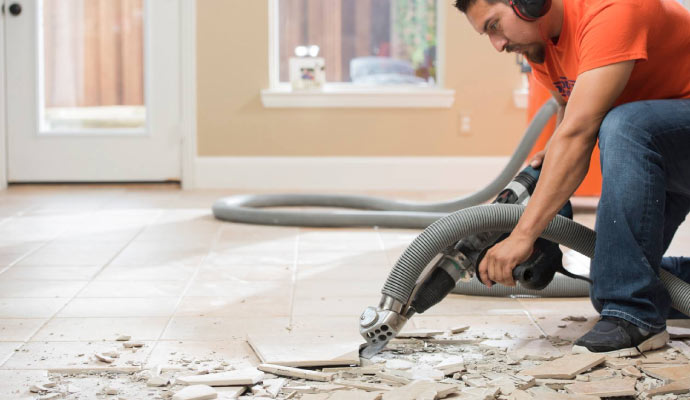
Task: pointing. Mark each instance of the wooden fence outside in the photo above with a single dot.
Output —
(93, 53)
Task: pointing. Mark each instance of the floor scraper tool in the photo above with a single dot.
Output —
(459, 263)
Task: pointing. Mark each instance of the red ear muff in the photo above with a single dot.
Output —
(530, 10)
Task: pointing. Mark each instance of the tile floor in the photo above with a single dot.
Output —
(81, 264)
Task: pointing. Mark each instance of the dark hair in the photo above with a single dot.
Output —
(463, 5)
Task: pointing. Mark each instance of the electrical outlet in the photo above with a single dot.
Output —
(464, 125)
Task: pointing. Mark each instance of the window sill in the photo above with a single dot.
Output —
(349, 96)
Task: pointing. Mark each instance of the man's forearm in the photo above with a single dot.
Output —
(564, 168)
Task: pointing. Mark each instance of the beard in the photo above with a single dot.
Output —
(534, 52)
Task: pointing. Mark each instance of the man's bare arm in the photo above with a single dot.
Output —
(567, 160)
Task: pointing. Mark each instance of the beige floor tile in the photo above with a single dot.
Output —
(7, 349)
(334, 306)
(171, 231)
(281, 273)
(317, 288)
(119, 307)
(171, 354)
(488, 326)
(142, 273)
(16, 383)
(307, 324)
(553, 325)
(19, 329)
(250, 245)
(34, 228)
(95, 329)
(54, 273)
(40, 288)
(232, 257)
(72, 253)
(337, 272)
(217, 328)
(239, 289)
(260, 306)
(11, 251)
(243, 232)
(576, 306)
(133, 289)
(74, 356)
(30, 307)
(341, 243)
(102, 234)
(376, 258)
(455, 304)
(161, 253)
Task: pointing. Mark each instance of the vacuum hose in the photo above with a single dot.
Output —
(386, 213)
(499, 218)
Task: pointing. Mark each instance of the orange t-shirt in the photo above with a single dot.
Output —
(595, 33)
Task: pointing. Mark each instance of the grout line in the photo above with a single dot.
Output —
(532, 319)
(89, 281)
(293, 279)
(191, 280)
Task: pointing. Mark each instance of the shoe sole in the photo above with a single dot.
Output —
(655, 342)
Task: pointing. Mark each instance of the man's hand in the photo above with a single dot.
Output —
(499, 262)
(537, 159)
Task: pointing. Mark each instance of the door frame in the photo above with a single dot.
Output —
(3, 94)
(187, 129)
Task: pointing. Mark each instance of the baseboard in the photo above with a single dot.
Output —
(460, 174)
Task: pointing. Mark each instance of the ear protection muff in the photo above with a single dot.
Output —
(530, 10)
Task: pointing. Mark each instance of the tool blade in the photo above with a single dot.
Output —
(368, 351)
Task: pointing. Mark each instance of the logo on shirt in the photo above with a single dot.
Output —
(564, 86)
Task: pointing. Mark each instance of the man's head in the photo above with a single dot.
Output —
(506, 30)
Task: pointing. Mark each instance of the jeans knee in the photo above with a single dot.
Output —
(624, 128)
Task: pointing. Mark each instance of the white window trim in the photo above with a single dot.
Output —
(347, 95)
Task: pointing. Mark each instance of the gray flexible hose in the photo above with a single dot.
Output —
(387, 213)
(499, 218)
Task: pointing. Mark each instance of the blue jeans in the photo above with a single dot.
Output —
(645, 163)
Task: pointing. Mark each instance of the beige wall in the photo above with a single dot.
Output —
(232, 45)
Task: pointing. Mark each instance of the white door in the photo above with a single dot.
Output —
(93, 90)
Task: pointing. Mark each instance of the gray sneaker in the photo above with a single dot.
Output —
(617, 337)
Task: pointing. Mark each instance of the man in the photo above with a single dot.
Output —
(620, 70)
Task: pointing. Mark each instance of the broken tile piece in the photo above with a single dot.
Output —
(123, 338)
(196, 392)
(419, 333)
(575, 318)
(293, 350)
(110, 391)
(459, 329)
(399, 364)
(316, 396)
(293, 372)
(242, 377)
(354, 395)
(631, 371)
(158, 381)
(129, 345)
(427, 373)
(421, 390)
(538, 349)
(677, 387)
(565, 367)
(104, 358)
(393, 376)
(273, 386)
(668, 374)
(605, 388)
(369, 387)
(450, 369)
(40, 387)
